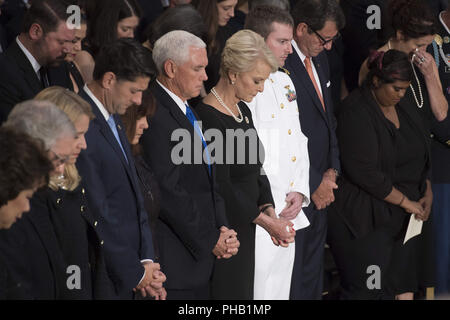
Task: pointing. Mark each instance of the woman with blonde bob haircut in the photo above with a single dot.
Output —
(65, 204)
(80, 113)
(246, 63)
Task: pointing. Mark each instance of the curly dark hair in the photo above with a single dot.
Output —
(413, 18)
(23, 164)
(388, 67)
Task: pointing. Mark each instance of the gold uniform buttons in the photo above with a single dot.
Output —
(102, 242)
(271, 80)
(58, 201)
(448, 142)
(292, 184)
(282, 106)
(289, 132)
(83, 191)
(95, 223)
(82, 208)
(273, 116)
(294, 159)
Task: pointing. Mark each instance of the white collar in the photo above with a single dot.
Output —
(299, 52)
(36, 66)
(100, 105)
(175, 98)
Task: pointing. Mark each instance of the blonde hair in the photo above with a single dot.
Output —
(73, 106)
(242, 51)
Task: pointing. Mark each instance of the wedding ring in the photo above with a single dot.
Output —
(422, 59)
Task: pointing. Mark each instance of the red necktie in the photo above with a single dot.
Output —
(313, 79)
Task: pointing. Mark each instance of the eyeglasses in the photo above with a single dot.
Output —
(59, 160)
(325, 42)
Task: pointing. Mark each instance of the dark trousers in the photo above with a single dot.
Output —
(201, 293)
(307, 275)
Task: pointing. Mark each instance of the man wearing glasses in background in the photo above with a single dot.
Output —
(316, 26)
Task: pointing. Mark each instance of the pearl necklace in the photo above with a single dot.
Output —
(420, 105)
(238, 120)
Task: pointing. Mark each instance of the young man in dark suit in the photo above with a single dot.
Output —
(316, 25)
(121, 74)
(192, 224)
(43, 43)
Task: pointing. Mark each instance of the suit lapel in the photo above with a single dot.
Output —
(107, 133)
(162, 96)
(164, 99)
(126, 147)
(16, 54)
(302, 76)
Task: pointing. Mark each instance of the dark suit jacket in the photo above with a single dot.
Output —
(19, 82)
(33, 260)
(191, 210)
(317, 125)
(115, 200)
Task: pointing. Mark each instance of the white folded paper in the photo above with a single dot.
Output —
(414, 228)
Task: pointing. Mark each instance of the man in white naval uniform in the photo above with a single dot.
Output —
(276, 119)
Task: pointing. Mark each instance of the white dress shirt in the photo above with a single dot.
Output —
(36, 66)
(302, 57)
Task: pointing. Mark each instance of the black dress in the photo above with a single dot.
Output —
(243, 189)
(76, 232)
(363, 229)
(152, 196)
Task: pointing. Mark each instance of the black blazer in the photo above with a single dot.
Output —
(368, 154)
(19, 82)
(317, 125)
(76, 231)
(191, 209)
(30, 251)
(115, 201)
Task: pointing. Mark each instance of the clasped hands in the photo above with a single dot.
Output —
(324, 195)
(227, 245)
(421, 209)
(152, 283)
(280, 228)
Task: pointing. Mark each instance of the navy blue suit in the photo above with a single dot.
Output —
(319, 127)
(191, 209)
(114, 197)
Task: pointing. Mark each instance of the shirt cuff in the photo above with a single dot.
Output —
(143, 262)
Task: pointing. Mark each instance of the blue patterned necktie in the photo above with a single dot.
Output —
(190, 115)
(112, 125)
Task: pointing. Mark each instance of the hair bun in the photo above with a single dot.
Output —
(376, 60)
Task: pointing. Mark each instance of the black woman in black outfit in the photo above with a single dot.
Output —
(385, 159)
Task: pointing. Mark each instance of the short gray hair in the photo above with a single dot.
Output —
(175, 46)
(41, 120)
